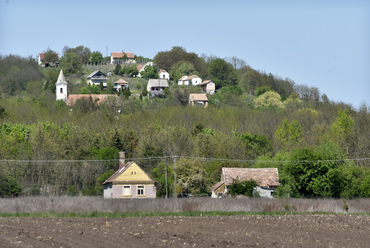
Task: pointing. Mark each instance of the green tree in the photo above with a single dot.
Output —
(51, 56)
(83, 53)
(96, 57)
(150, 72)
(242, 188)
(342, 129)
(365, 187)
(70, 63)
(269, 99)
(289, 134)
(260, 90)
(222, 73)
(118, 69)
(9, 186)
(182, 68)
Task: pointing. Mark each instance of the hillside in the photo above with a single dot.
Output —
(48, 147)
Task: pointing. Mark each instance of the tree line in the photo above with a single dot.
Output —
(254, 117)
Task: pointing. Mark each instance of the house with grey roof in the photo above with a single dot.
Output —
(96, 78)
(156, 86)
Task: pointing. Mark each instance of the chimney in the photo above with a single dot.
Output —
(121, 160)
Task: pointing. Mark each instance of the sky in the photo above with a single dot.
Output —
(323, 44)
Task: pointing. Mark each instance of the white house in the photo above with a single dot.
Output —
(116, 58)
(192, 79)
(164, 74)
(156, 86)
(141, 68)
(120, 84)
(96, 78)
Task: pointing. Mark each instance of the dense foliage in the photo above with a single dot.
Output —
(320, 147)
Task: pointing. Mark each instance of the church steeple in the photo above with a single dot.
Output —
(61, 87)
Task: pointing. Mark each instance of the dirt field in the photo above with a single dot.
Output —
(235, 231)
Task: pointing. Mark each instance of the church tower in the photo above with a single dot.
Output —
(61, 87)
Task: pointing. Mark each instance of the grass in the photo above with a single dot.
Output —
(85, 206)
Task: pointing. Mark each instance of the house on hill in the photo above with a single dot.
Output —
(157, 86)
(96, 78)
(117, 58)
(198, 99)
(129, 181)
(164, 74)
(187, 80)
(41, 61)
(62, 94)
(267, 180)
(120, 84)
(141, 68)
(208, 86)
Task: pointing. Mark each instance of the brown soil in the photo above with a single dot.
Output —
(235, 231)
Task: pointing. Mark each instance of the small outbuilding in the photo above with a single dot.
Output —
(198, 99)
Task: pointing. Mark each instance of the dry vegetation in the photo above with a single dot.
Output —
(88, 204)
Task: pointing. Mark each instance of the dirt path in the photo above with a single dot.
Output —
(235, 231)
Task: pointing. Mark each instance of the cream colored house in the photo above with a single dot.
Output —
(129, 181)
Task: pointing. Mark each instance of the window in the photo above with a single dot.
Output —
(140, 190)
(126, 190)
(61, 90)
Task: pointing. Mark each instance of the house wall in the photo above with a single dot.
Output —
(117, 190)
(196, 81)
(264, 192)
(165, 75)
(220, 189)
(97, 81)
(108, 193)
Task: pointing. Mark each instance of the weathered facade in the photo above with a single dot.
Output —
(267, 180)
(208, 86)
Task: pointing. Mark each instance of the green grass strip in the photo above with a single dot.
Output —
(96, 214)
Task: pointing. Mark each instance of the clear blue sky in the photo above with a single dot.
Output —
(325, 44)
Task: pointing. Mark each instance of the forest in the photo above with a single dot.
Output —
(255, 119)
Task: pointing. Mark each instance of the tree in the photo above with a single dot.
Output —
(260, 90)
(82, 52)
(242, 188)
(289, 134)
(9, 186)
(182, 68)
(150, 72)
(342, 129)
(71, 63)
(165, 60)
(96, 57)
(222, 73)
(51, 56)
(118, 69)
(268, 99)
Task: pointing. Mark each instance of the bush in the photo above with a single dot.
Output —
(242, 188)
(72, 190)
(9, 186)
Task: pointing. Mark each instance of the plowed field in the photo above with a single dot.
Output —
(235, 231)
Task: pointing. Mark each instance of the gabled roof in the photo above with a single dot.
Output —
(198, 97)
(183, 78)
(97, 98)
(116, 174)
(61, 78)
(161, 70)
(265, 177)
(117, 55)
(206, 82)
(96, 72)
(130, 55)
(158, 82)
(217, 185)
(121, 81)
(192, 76)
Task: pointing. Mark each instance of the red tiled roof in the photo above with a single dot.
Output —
(117, 55)
(130, 55)
(139, 67)
(192, 76)
(98, 98)
(265, 177)
(41, 56)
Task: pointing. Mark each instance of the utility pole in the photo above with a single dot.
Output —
(174, 180)
(166, 182)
